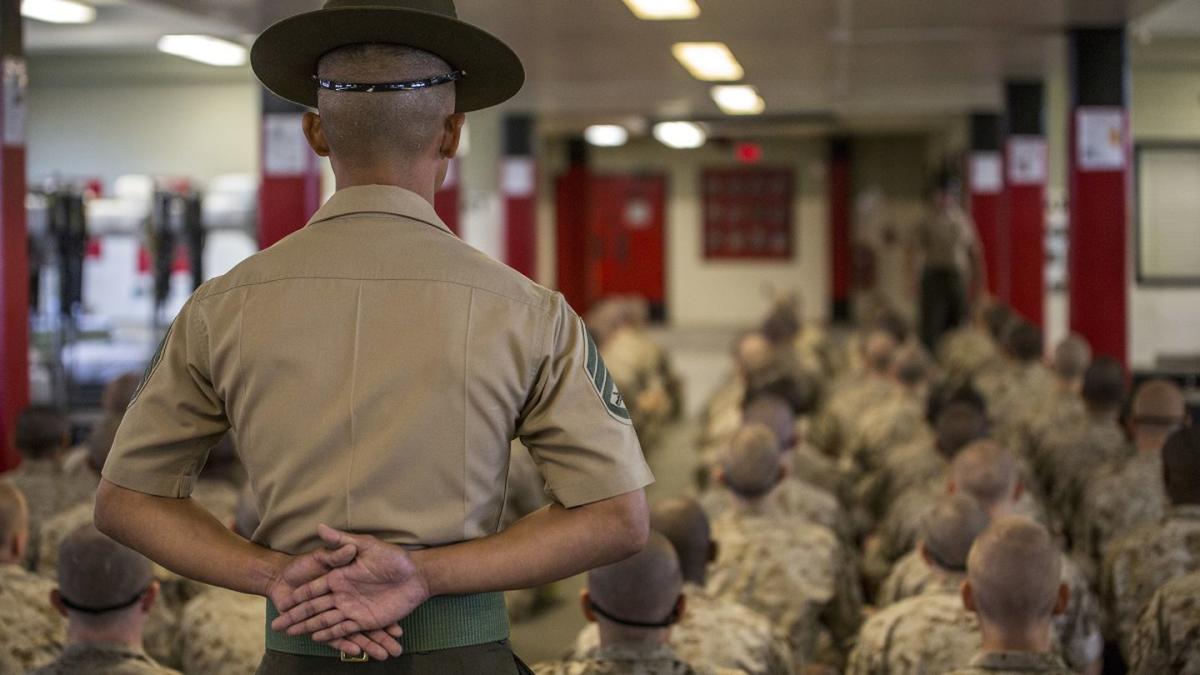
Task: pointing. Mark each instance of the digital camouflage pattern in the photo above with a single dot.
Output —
(51, 489)
(1167, 638)
(628, 660)
(1014, 663)
(1117, 499)
(746, 641)
(792, 498)
(919, 636)
(1070, 455)
(1142, 561)
(966, 351)
(222, 632)
(32, 632)
(104, 659)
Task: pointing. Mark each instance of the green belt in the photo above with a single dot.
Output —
(444, 622)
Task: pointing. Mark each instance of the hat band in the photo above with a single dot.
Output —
(411, 85)
(102, 610)
(670, 620)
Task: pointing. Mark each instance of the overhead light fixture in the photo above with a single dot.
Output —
(660, 10)
(680, 135)
(204, 48)
(738, 99)
(708, 61)
(606, 135)
(58, 11)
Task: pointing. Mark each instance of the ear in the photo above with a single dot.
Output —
(968, 597)
(924, 553)
(718, 474)
(680, 607)
(1018, 491)
(451, 135)
(1064, 600)
(57, 603)
(19, 545)
(149, 597)
(714, 551)
(785, 468)
(315, 134)
(585, 603)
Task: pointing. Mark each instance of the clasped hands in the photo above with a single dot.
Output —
(349, 595)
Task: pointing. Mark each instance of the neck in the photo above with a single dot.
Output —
(1149, 444)
(612, 634)
(420, 178)
(1034, 638)
(1102, 415)
(124, 631)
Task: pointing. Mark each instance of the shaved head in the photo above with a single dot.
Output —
(911, 365)
(683, 522)
(1181, 466)
(958, 423)
(1072, 357)
(950, 529)
(14, 512)
(97, 573)
(1015, 572)
(776, 414)
(753, 354)
(782, 325)
(383, 128)
(878, 351)
(1024, 342)
(1159, 407)
(751, 462)
(1104, 385)
(644, 588)
(986, 472)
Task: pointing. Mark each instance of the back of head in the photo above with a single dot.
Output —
(878, 351)
(997, 317)
(799, 391)
(1015, 572)
(751, 462)
(1181, 466)
(1104, 385)
(383, 128)
(683, 522)
(782, 324)
(775, 413)
(119, 393)
(642, 589)
(41, 433)
(911, 366)
(14, 512)
(753, 353)
(962, 418)
(986, 472)
(1158, 407)
(1072, 357)
(97, 576)
(950, 529)
(1024, 342)
(949, 392)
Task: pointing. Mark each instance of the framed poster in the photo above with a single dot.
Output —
(747, 213)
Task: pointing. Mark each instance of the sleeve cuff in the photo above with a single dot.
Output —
(173, 487)
(587, 490)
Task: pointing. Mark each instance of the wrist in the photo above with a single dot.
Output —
(269, 573)
(425, 571)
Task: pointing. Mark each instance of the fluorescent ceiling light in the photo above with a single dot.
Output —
(708, 61)
(738, 99)
(204, 48)
(659, 10)
(58, 11)
(606, 135)
(680, 135)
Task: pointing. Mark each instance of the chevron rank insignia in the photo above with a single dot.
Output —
(602, 380)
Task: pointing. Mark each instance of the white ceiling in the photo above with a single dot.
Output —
(590, 59)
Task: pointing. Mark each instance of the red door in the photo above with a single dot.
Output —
(626, 224)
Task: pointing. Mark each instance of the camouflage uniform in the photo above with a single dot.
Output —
(966, 351)
(1014, 663)
(716, 633)
(1060, 409)
(843, 414)
(796, 573)
(899, 420)
(222, 632)
(1167, 639)
(104, 659)
(792, 498)
(1028, 385)
(1118, 498)
(1070, 455)
(628, 660)
(919, 636)
(1077, 629)
(1139, 563)
(32, 632)
(50, 489)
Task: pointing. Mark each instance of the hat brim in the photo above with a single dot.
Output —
(285, 56)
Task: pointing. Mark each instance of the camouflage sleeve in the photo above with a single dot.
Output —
(1148, 651)
(843, 614)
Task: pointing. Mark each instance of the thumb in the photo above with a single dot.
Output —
(337, 557)
(334, 538)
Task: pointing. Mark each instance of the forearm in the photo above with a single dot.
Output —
(183, 537)
(550, 544)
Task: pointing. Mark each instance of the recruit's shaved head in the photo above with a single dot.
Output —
(782, 324)
(1104, 385)
(1181, 466)
(776, 414)
(911, 365)
(96, 572)
(986, 472)
(950, 529)
(383, 128)
(958, 423)
(1159, 405)
(1015, 572)
(751, 462)
(1024, 342)
(753, 353)
(14, 512)
(1072, 357)
(878, 351)
(644, 588)
(683, 522)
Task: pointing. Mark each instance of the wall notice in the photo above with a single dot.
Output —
(1100, 134)
(16, 84)
(1027, 160)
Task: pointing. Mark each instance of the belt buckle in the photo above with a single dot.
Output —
(361, 658)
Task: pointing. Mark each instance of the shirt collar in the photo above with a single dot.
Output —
(386, 199)
(635, 652)
(1188, 511)
(1030, 662)
(109, 648)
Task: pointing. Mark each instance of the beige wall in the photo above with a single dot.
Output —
(702, 293)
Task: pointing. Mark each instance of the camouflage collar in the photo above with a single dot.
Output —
(635, 652)
(1023, 662)
(1185, 511)
(108, 649)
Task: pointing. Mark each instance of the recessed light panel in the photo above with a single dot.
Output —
(709, 61)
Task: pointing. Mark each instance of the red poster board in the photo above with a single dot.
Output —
(748, 213)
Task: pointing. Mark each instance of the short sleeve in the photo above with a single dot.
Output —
(575, 423)
(175, 416)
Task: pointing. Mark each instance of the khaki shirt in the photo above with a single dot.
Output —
(373, 370)
(947, 240)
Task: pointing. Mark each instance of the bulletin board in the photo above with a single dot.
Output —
(1168, 214)
(748, 213)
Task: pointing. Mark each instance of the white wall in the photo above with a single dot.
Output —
(102, 117)
(703, 293)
